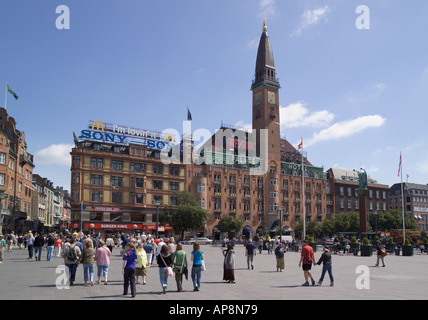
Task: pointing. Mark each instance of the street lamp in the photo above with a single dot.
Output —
(280, 210)
(157, 203)
(376, 213)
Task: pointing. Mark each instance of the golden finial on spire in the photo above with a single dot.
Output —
(264, 24)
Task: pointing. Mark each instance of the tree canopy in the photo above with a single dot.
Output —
(188, 215)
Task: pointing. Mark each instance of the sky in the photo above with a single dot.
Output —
(353, 74)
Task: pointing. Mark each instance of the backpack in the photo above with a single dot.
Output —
(71, 254)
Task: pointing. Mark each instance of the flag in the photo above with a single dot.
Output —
(399, 166)
(300, 146)
(189, 115)
(11, 92)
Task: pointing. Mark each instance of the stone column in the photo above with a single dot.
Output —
(363, 204)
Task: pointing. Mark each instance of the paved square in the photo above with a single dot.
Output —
(403, 278)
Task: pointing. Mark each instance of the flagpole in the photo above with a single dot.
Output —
(303, 188)
(402, 199)
(5, 98)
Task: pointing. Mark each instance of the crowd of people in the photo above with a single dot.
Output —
(139, 252)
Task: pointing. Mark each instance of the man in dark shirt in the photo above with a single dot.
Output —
(250, 252)
(326, 261)
(39, 242)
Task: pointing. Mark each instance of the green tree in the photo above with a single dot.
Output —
(347, 221)
(391, 220)
(328, 228)
(187, 216)
(229, 224)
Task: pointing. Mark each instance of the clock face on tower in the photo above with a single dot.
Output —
(271, 97)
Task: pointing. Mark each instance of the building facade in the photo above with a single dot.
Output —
(415, 201)
(117, 172)
(342, 192)
(16, 173)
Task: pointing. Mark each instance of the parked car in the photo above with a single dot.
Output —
(188, 241)
(329, 241)
(204, 241)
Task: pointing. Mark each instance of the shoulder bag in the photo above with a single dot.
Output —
(168, 269)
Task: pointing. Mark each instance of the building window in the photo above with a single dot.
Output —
(1, 179)
(202, 203)
(158, 169)
(273, 206)
(116, 181)
(173, 201)
(97, 196)
(157, 184)
(97, 179)
(174, 171)
(137, 167)
(97, 162)
(96, 216)
(201, 188)
(117, 164)
(173, 185)
(116, 217)
(116, 197)
(139, 182)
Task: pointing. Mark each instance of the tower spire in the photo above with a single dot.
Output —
(265, 66)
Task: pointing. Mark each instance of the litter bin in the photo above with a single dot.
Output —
(355, 251)
(397, 251)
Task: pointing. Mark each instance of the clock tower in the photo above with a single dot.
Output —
(265, 88)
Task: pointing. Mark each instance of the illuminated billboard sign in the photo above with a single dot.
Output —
(122, 135)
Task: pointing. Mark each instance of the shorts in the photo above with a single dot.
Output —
(307, 266)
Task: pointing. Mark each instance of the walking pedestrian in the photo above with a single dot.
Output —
(171, 245)
(250, 252)
(229, 264)
(148, 247)
(71, 255)
(30, 245)
(39, 242)
(164, 261)
(279, 254)
(307, 259)
(57, 246)
(197, 257)
(381, 253)
(179, 261)
(325, 259)
(128, 268)
(3, 244)
(20, 241)
(141, 266)
(88, 261)
(102, 258)
(10, 239)
(110, 243)
(49, 247)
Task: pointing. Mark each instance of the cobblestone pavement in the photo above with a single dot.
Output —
(403, 278)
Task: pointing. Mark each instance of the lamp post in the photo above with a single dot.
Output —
(157, 203)
(280, 210)
(376, 213)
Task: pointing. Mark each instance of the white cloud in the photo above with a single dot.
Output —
(58, 154)
(267, 8)
(422, 166)
(311, 17)
(369, 93)
(242, 124)
(347, 128)
(253, 44)
(297, 115)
